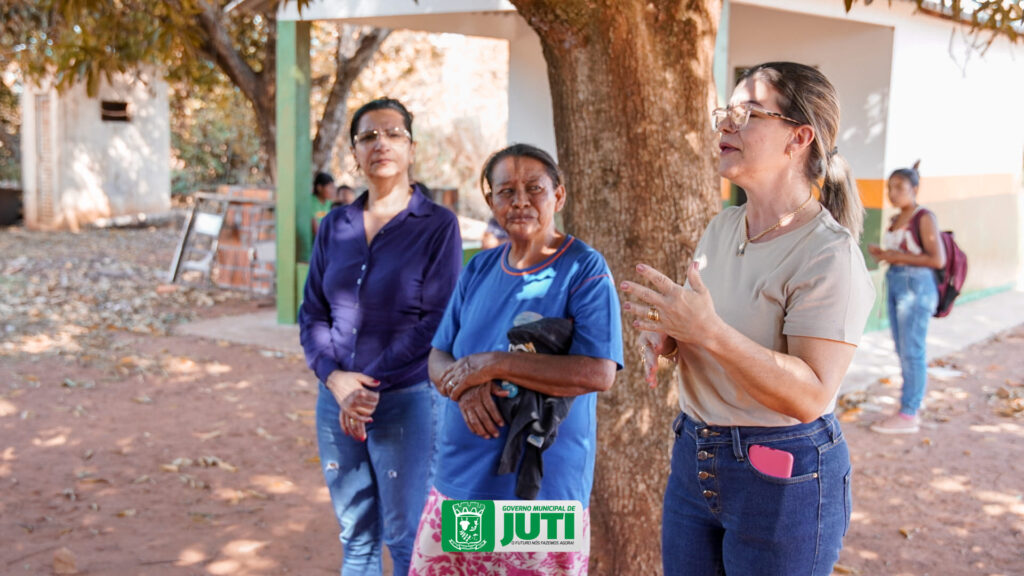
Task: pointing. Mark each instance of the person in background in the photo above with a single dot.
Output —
(493, 236)
(344, 196)
(539, 273)
(324, 196)
(912, 249)
(775, 302)
(379, 279)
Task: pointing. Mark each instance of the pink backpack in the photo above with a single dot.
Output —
(951, 276)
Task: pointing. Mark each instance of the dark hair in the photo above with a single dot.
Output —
(519, 151)
(378, 104)
(911, 174)
(322, 179)
(806, 95)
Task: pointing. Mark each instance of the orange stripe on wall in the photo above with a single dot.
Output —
(933, 189)
(872, 193)
(941, 189)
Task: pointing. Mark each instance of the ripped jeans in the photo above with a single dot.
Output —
(379, 487)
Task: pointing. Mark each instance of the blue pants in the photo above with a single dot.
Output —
(721, 516)
(912, 297)
(379, 487)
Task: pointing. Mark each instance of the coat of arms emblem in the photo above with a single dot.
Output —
(469, 533)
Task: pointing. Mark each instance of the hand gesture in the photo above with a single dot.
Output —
(357, 403)
(653, 345)
(686, 314)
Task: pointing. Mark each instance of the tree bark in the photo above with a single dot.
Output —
(632, 87)
(356, 48)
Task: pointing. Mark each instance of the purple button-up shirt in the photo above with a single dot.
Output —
(374, 308)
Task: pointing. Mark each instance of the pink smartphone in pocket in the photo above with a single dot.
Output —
(770, 461)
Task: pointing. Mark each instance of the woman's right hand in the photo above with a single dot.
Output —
(480, 411)
(356, 402)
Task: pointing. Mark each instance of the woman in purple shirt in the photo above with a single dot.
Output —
(381, 274)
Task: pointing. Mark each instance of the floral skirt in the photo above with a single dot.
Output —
(428, 559)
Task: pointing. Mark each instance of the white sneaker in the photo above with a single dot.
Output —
(897, 424)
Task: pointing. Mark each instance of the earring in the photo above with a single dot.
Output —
(789, 154)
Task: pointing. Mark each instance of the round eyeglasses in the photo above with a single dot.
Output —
(739, 115)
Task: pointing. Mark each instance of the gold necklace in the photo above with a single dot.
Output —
(743, 245)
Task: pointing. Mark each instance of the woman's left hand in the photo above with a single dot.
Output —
(479, 410)
(686, 314)
(465, 373)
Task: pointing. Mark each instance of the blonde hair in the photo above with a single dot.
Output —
(806, 95)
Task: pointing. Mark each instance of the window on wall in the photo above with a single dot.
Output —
(114, 111)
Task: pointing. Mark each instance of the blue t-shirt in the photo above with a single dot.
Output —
(573, 283)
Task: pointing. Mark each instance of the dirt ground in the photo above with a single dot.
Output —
(127, 450)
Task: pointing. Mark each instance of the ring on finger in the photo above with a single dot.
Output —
(653, 315)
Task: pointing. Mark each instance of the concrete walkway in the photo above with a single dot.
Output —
(256, 329)
(968, 324)
(876, 358)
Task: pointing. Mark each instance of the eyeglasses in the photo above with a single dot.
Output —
(739, 115)
(392, 135)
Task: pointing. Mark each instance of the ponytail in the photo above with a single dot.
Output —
(839, 195)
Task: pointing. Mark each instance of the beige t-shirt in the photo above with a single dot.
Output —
(811, 281)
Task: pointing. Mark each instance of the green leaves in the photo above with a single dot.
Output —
(993, 18)
(87, 40)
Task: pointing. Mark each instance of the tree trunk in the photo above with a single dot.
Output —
(632, 87)
(356, 48)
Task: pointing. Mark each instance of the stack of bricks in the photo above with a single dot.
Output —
(249, 221)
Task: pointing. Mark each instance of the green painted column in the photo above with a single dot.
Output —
(294, 159)
(721, 61)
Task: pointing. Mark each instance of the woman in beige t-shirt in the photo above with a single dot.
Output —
(763, 330)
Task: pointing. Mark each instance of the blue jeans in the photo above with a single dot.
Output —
(912, 297)
(379, 487)
(722, 516)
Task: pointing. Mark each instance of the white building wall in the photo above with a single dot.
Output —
(961, 116)
(854, 56)
(100, 169)
(939, 109)
(531, 117)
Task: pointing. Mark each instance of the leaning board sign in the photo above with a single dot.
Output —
(511, 526)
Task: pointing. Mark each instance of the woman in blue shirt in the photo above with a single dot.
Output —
(541, 272)
(381, 274)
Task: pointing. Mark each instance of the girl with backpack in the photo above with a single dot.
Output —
(913, 249)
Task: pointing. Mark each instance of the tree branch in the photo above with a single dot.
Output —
(218, 46)
(347, 70)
